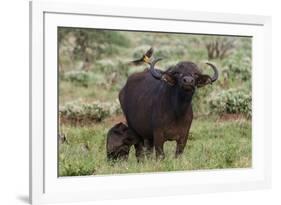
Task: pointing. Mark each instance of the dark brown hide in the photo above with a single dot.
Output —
(157, 104)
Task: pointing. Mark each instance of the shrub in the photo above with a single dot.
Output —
(104, 66)
(81, 78)
(232, 101)
(220, 47)
(238, 68)
(108, 66)
(98, 42)
(79, 112)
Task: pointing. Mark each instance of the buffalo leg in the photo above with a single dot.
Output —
(181, 143)
(139, 151)
(149, 145)
(158, 139)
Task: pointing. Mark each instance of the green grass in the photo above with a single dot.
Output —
(213, 144)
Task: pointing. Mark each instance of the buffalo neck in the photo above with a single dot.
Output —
(180, 100)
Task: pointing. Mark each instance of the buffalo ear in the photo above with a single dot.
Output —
(203, 80)
(169, 78)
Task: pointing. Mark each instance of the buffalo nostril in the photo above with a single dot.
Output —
(188, 80)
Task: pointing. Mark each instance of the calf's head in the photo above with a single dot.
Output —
(119, 140)
(185, 75)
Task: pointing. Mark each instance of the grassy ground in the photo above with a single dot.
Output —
(214, 143)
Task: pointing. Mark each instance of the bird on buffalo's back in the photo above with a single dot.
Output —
(146, 58)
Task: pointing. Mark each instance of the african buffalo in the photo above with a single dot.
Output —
(157, 104)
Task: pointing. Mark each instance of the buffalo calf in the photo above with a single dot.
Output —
(119, 140)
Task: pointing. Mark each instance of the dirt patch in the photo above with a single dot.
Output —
(227, 117)
(83, 121)
(115, 119)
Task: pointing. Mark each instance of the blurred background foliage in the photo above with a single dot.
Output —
(93, 67)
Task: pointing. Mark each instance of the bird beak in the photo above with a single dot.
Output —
(146, 59)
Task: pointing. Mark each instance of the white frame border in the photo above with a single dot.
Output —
(37, 102)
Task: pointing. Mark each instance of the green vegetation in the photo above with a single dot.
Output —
(232, 101)
(213, 144)
(93, 67)
(83, 113)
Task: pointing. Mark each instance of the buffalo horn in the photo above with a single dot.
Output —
(156, 74)
(216, 73)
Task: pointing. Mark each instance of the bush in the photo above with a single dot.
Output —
(81, 78)
(235, 72)
(79, 112)
(97, 42)
(232, 101)
(104, 66)
(220, 47)
(238, 68)
(108, 66)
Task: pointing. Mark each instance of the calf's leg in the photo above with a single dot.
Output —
(149, 145)
(139, 151)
